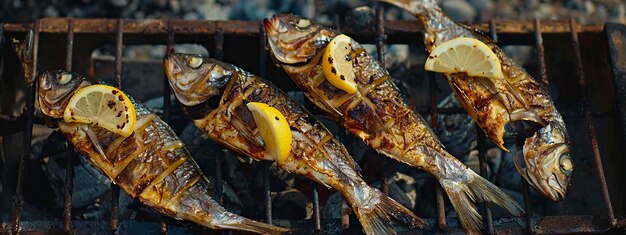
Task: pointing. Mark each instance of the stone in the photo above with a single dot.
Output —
(482, 4)
(459, 10)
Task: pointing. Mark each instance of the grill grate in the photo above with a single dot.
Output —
(168, 31)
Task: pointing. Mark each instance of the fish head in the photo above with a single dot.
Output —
(55, 90)
(293, 39)
(196, 79)
(548, 164)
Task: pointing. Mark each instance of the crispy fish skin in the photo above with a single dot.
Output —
(315, 153)
(151, 164)
(493, 103)
(378, 114)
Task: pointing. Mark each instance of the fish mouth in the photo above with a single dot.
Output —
(53, 97)
(273, 27)
(551, 187)
(175, 73)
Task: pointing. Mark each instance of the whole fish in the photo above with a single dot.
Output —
(151, 164)
(493, 103)
(377, 113)
(216, 94)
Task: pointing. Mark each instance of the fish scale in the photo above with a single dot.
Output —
(314, 152)
(381, 116)
(151, 164)
(494, 103)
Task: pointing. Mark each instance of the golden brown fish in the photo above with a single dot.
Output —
(216, 94)
(151, 164)
(493, 103)
(377, 113)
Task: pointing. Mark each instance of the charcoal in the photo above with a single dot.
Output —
(46, 176)
(292, 204)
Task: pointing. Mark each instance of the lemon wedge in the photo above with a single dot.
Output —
(466, 55)
(274, 130)
(103, 106)
(337, 64)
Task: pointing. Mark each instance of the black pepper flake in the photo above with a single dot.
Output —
(276, 118)
(330, 60)
(111, 104)
(431, 57)
(342, 77)
(333, 70)
(371, 78)
(114, 92)
(348, 57)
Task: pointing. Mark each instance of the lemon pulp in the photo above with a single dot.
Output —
(466, 55)
(337, 64)
(103, 106)
(274, 130)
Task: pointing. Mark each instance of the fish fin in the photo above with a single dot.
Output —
(465, 195)
(94, 140)
(375, 213)
(252, 226)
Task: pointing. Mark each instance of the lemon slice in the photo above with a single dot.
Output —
(274, 130)
(337, 64)
(103, 106)
(466, 55)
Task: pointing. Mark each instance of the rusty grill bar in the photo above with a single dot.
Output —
(393, 31)
(591, 130)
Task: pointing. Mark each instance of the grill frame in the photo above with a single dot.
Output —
(168, 32)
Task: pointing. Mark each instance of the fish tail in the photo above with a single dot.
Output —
(376, 209)
(249, 225)
(415, 7)
(464, 194)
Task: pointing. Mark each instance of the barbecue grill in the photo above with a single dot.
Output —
(598, 58)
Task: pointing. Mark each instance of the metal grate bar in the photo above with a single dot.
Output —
(118, 53)
(166, 85)
(345, 213)
(266, 166)
(115, 190)
(317, 225)
(588, 122)
(33, 44)
(69, 168)
(380, 49)
(169, 49)
(434, 121)
(541, 54)
(482, 150)
(219, 185)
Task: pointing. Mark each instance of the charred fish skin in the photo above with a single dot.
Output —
(315, 153)
(151, 164)
(493, 103)
(378, 114)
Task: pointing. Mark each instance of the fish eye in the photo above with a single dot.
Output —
(194, 61)
(65, 78)
(566, 164)
(303, 23)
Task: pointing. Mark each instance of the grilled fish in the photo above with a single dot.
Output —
(151, 164)
(215, 94)
(494, 103)
(377, 113)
